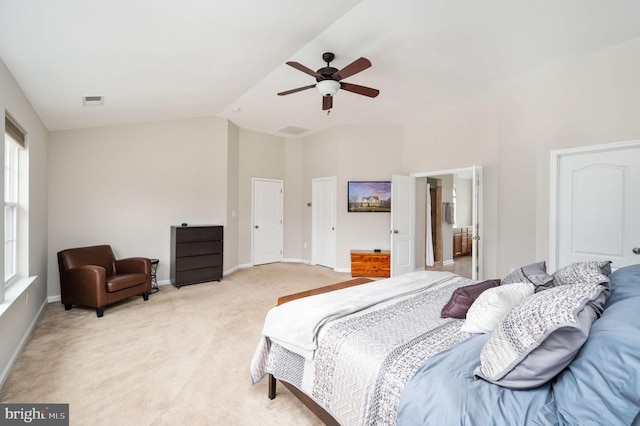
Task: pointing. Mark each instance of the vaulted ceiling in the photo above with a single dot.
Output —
(168, 59)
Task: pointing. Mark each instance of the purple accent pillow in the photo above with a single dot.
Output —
(463, 297)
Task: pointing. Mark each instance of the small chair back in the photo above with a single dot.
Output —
(94, 255)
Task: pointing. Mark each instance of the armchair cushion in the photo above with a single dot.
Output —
(121, 281)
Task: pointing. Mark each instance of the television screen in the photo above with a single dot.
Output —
(369, 196)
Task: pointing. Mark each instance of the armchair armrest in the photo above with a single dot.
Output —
(84, 283)
(133, 265)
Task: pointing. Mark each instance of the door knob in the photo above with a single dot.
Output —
(636, 250)
(395, 231)
(256, 226)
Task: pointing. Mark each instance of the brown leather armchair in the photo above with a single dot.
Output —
(91, 276)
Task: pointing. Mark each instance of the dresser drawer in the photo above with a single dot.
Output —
(192, 234)
(198, 262)
(198, 276)
(198, 249)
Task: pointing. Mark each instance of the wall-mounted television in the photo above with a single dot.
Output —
(369, 196)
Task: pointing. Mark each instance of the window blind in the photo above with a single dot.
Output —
(13, 130)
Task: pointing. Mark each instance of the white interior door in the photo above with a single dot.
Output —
(596, 205)
(323, 249)
(403, 195)
(267, 224)
(476, 211)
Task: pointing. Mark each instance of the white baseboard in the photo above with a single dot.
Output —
(18, 350)
(297, 261)
(57, 298)
(52, 299)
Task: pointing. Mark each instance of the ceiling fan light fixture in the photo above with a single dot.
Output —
(328, 87)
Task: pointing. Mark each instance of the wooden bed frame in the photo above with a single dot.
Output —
(316, 409)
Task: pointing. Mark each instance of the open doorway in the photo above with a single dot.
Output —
(447, 221)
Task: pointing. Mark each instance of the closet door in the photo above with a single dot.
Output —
(323, 220)
(267, 235)
(596, 205)
(403, 197)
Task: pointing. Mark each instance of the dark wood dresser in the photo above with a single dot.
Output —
(196, 254)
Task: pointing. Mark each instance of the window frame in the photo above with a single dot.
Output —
(11, 206)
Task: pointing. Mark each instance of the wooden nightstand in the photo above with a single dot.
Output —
(368, 263)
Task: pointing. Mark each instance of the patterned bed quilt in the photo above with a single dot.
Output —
(365, 343)
(398, 362)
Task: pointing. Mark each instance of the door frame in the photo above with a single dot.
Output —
(555, 157)
(476, 246)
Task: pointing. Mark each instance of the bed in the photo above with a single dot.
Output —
(437, 348)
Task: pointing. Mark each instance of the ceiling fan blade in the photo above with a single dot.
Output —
(304, 69)
(360, 90)
(327, 102)
(354, 67)
(299, 89)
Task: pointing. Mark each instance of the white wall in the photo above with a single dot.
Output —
(233, 198)
(371, 152)
(464, 201)
(127, 185)
(260, 156)
(456, 139)
(19, 317)
(593, 99)
(294, 204)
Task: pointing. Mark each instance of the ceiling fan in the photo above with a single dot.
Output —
(329, 79)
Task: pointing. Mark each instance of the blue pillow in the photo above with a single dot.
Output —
(603, 381)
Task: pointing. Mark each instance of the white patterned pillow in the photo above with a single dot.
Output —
(492, 305)
(541, 336)
(591, 272)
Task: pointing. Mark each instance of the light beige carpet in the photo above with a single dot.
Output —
(181, 358)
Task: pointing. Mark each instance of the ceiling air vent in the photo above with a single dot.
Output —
(92, 100)
(293, 130)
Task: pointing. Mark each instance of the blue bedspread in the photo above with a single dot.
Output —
(444, 392)
(600, 386)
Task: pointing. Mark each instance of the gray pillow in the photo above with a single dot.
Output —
(535, 273)
(463, 297)
(540, 336)
(591, 272)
